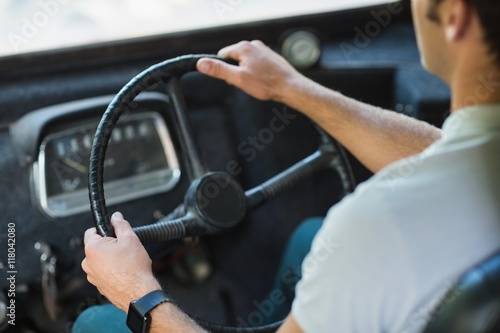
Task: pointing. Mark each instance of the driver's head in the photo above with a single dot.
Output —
(455, 34)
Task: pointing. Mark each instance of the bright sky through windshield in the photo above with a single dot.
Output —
(32, 25)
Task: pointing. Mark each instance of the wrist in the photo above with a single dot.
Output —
(289, 87)
(297, 92)
(137, 290)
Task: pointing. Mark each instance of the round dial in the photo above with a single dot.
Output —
(302, 49)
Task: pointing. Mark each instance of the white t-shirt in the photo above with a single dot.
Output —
(387, 253)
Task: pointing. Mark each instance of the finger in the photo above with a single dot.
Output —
(218, 69)
(90, 234)
(117, 215)
(120, 225)
(240, 50)
(234, 51)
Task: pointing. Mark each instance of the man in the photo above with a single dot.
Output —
(430, 212)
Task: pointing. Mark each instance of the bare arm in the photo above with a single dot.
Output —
(375, 136)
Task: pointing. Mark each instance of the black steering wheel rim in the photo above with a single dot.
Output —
(164, 72)
(196, 216)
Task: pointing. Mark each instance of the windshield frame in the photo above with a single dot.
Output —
(34, 26)
(164, 46)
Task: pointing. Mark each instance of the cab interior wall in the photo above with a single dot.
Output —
(386, 73)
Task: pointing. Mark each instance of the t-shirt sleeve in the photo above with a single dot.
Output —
(348, 278)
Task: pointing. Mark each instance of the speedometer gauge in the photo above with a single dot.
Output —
(140, 161)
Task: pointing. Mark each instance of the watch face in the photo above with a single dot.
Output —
(137, 322)
(139, 319)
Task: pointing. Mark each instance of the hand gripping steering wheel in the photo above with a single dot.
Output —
(200, 214)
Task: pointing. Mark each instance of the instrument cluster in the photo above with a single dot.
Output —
(140, 161)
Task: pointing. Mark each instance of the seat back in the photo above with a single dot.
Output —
(473, 305)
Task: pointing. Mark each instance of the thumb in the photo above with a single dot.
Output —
(217, 69)
(119, 224)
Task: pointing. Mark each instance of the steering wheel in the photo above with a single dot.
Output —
(214, 202)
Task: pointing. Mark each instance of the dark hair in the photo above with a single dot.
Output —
(489, 15)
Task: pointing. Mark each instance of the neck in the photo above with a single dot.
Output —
(477, 84)
(476, 88)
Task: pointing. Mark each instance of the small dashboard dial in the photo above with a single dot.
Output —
(302, 49)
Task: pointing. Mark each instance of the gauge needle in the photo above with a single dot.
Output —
(75, 165)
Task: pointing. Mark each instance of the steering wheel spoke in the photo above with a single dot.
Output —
(329, 155)
(194, 164)
(287, 179)
(165, 230)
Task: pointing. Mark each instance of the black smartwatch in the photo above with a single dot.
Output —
(138, 318)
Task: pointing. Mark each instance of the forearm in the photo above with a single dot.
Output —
(375, 136)
(168, 318)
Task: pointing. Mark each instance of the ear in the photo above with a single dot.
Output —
(458, 20)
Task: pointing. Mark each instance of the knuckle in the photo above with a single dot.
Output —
(90, 250)
(246, 46)
(89, 253)
(84, 265)
(90, 280)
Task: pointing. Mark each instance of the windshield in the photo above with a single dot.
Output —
(34, 25)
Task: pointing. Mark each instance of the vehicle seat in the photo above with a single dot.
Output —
(473, 305)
